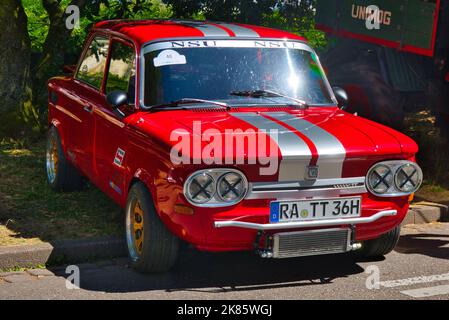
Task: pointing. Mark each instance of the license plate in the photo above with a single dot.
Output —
(307, 210)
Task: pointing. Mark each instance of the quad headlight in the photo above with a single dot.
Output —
(216, 188)
(201, 188)
(408, 178)
(394, 178)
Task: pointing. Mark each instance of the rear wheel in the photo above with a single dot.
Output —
(61, 175)
(151, 247)
(381, 246)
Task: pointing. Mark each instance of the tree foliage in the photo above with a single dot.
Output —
(38, 26)
(296, 16)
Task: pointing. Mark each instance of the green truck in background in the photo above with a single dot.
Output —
(391, 56)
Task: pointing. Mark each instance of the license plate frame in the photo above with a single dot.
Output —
(315, 209)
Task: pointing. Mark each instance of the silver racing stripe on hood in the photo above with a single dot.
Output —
(296, 155)
(207, 29)
(212, 31)
(239, 31)
(331, 152)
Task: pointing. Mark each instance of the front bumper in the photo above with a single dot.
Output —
(306, 224)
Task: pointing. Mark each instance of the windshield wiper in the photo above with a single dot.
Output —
(267, 94)
(179, 103)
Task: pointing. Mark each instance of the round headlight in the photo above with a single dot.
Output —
(231, 187)
(408, 178)
(200, 188)
(380, 179)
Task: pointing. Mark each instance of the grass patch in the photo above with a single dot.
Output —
(30, 212)
(21, 269)
(433, 193)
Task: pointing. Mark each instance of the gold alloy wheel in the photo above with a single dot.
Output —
(137, 225)
(52, 160)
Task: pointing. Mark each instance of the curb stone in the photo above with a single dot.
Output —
(18, 278)
(61, 251)
(426, 212)
(72, 251)
(40, 273)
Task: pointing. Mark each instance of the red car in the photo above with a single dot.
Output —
(227, 137)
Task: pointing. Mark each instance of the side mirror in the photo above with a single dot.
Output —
(342, 97)
(69, 70)
(117, 99)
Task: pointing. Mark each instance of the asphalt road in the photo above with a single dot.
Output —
(418, 269)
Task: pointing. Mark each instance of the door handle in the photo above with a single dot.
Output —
(89, 109)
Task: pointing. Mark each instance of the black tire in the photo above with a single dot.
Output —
(61, 174)
(381, 246)
(159, 248)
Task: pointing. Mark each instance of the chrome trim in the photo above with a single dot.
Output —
(394, 166)
(216, 175)
(305, 224)
(305, 189)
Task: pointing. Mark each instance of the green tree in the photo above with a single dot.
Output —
(33, 28)
(294, 16)
(15, 54)
(40, 26)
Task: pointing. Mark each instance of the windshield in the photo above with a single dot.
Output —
(214, 72)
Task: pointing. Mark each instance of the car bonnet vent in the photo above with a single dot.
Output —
(244, 109)
(207, 109)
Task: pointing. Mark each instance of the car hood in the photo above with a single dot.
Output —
(336, 142)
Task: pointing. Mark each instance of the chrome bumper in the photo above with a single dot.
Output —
(305, 224)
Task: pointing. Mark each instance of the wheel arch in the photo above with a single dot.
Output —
(142, 176)
(58, 126)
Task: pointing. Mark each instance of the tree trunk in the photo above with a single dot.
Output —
(54, 50)
(15, 85)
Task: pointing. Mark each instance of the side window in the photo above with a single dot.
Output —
(122, 70)
(92, 68)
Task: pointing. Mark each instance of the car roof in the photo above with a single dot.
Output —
(143, 31)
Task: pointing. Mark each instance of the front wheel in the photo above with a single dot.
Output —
(381, 246)
(151, 247)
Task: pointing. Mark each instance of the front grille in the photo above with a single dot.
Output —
(311, 243)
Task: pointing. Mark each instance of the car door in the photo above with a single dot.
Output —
(111, 139)
(86, 96)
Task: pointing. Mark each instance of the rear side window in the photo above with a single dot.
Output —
(92, 67)
(122, 70)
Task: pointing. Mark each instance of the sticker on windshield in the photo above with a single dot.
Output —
(169, 57)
